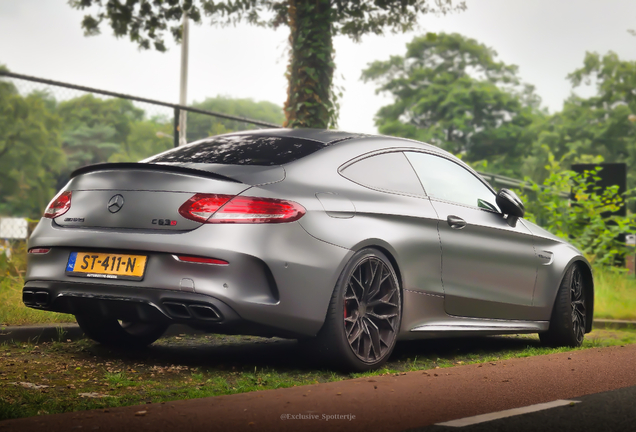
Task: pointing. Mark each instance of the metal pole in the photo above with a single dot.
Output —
(175, 131)
(184, 80)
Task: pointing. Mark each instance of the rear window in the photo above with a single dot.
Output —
(241, 150)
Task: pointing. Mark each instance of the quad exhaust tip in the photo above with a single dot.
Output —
(36, 298)
(180, 310)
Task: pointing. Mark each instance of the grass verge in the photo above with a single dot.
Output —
(12, 310)
(615, 295)
(59, 377)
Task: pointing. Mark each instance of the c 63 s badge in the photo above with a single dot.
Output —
(164, 222)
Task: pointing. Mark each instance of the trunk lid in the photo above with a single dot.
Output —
(139, 196)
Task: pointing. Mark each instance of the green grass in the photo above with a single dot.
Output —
(615, 295)
(200, 366)
(12, 310)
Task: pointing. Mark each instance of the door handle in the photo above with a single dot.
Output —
(456, 222)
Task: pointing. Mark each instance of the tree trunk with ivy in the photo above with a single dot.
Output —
(310, 71)
(311, 100)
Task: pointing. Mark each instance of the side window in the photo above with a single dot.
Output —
(449, 181)
(388, 172)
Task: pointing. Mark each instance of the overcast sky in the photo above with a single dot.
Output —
(547, 39)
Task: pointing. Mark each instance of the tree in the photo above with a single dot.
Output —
(146, 138)
(451, 91)
(93, 129)
(601, 127)
(311, 101)
(201, 126)
(87, 145)
(30, 153)
(90, 111)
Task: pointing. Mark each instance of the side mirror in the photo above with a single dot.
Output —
(511, 205)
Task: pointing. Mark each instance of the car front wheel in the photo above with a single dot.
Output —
(110, 331)
(364, 314)
(569, 316)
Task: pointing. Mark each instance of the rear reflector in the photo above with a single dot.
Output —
(59, 205)
(213, 208)
(199, 260)
(39, 250)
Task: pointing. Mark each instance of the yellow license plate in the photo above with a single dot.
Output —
(106, 265)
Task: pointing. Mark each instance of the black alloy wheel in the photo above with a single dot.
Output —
(569, 315)
(371, 309)
(577, 300)
(364, 315)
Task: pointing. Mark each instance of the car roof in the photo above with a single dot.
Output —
(324, 136)
(330, 136)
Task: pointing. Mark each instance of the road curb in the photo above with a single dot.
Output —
(69, 331)
(613, 324)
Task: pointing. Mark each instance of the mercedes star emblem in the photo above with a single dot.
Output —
(116, 203)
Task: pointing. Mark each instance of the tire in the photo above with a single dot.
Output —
(112, 332)
(364, 314)
(569, 318)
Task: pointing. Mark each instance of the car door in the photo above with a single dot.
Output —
(400, 214)
(488, 266)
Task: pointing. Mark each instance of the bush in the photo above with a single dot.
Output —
(579, 220)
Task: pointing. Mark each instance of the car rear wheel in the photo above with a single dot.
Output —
(569, 318)
(364, 314)
(109, 331)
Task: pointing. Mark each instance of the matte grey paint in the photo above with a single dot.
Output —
(483, 279)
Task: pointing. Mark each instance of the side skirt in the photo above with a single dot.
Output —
(461, 324)
(425, 318)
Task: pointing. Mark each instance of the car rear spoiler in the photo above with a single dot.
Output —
(136, 166)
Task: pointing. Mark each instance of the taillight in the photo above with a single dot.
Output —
(201, 206)
(208, 208)
(59, 205)
(199, 260)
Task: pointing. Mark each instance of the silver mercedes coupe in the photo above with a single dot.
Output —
(346, 241)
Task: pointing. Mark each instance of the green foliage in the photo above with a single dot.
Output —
(86, 145)
(94, 129)
(580, 221)
(311, 100)
(602, 125)
(90, 111)
(12, 310)
(310, 71)
(451, 91)
(30, 154)
(146, 138)
(614, 294)
(202, 126)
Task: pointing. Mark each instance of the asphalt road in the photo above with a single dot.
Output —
(394, 403)
(612, 411)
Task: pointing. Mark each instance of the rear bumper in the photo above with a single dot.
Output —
(128, 303)
(278, 276)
